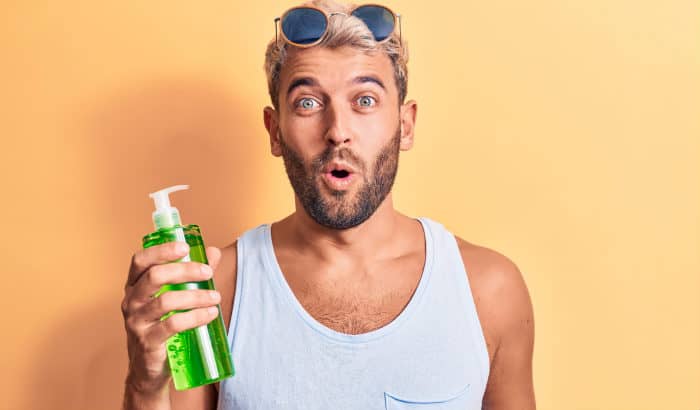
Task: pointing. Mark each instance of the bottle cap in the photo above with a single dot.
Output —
(166, 216)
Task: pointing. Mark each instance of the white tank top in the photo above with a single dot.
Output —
(432, 356)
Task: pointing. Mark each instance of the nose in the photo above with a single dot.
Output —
(338, 132)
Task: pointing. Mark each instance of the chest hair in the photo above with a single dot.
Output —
(353, 312)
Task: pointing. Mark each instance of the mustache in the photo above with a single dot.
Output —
(343, 154)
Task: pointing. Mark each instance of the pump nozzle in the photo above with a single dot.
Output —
(166, 216)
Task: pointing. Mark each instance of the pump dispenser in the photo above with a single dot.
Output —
(166, 216)
(201, 355)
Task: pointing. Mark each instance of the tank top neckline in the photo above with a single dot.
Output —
(285, 292)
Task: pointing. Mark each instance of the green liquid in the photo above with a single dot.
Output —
(196, 356)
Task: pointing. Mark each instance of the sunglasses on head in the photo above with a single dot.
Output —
(304, 26)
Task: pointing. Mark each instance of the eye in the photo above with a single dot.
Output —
(307, 103)
(366, 101)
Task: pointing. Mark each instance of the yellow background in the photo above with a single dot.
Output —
(564, 134)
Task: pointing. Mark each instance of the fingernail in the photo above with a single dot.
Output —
(181, 247)
(212, 310)
(214, 295)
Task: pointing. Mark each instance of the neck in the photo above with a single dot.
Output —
(371, 240)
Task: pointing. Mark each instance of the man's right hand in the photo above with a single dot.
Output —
(150, 269)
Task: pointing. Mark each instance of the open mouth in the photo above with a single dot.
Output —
(340, 173)
(338, 176)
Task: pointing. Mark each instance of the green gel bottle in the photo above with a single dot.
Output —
(201, 355)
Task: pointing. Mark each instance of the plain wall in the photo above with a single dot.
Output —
(564, 134)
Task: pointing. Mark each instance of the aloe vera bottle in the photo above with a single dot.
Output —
(201, 355)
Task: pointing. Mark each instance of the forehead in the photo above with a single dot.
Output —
(335, 67)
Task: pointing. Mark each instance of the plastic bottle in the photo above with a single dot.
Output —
(201, 355)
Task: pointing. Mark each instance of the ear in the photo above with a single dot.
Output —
(407, 116)
(271, 119)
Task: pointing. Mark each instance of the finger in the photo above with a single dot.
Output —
(178, 300)
(213, 256)
(142, 260)
(178, 322)
(168, 274)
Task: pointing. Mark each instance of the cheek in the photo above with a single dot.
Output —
(302, 132)
(377, 129)
(376, 132)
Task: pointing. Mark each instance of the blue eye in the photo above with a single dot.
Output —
(366, 101)
(307, 103)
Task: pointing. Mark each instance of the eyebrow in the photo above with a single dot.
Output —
(369, 79)
(302, 81)
(311, 82)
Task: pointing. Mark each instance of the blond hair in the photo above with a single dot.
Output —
(343, 30)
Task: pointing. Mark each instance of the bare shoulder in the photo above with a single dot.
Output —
(488, 269)
(505, 311)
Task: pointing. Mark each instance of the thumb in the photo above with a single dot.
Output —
(213, 256)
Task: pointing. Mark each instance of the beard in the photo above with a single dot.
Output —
(342, 210)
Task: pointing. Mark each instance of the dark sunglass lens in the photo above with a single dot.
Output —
(379, 20)
(304, 25)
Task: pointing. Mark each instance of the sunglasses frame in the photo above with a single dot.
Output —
(327, 17)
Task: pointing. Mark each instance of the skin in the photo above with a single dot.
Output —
(352, 280)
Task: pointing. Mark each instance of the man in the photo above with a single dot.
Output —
(346, 303)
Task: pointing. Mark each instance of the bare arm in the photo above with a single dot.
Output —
(510, 384)
(506, 315)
